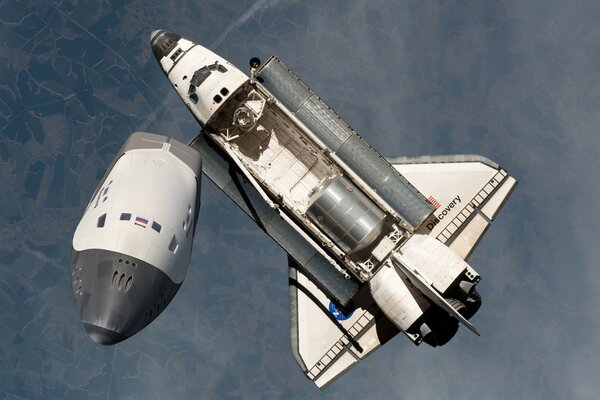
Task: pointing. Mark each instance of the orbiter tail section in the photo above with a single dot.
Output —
(429, 291)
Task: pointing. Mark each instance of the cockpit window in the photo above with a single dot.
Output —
(217, 67)
(192, 94)
(200, 76)
(204, 72)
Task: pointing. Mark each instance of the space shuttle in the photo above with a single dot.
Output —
(376, 246)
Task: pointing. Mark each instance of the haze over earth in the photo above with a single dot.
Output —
(516, 81)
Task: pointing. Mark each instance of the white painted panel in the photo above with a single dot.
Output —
(452, 185)
(317, 333)
(434, 261)
(464, 243)
(395, 299)
(345, 362)
(494, 204)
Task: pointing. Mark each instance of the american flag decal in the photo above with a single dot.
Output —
(431, 200)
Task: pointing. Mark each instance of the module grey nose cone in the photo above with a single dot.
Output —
(163, 43)
(117, 295)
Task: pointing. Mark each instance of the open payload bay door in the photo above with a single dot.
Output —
(224, 173)
(467, 191)
(326, 341)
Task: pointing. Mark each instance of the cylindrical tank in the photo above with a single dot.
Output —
(345, 214)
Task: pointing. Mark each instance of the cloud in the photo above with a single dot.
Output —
(258, 6)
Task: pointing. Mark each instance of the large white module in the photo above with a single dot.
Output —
(132, 247)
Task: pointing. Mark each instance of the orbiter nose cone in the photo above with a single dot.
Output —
(154, 34)
(163, 43)
(102, 335)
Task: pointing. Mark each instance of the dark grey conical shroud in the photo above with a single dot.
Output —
(117, 295)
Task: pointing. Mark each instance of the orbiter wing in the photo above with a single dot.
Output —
(467, 191)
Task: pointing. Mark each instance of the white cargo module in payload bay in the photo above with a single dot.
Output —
(375, 246)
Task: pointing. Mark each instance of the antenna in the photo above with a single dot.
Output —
(254, 63)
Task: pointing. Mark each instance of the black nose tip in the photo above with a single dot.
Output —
(102, 335)
(154, 34)
(163, 43)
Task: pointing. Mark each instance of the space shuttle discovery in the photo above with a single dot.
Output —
(375, 246)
